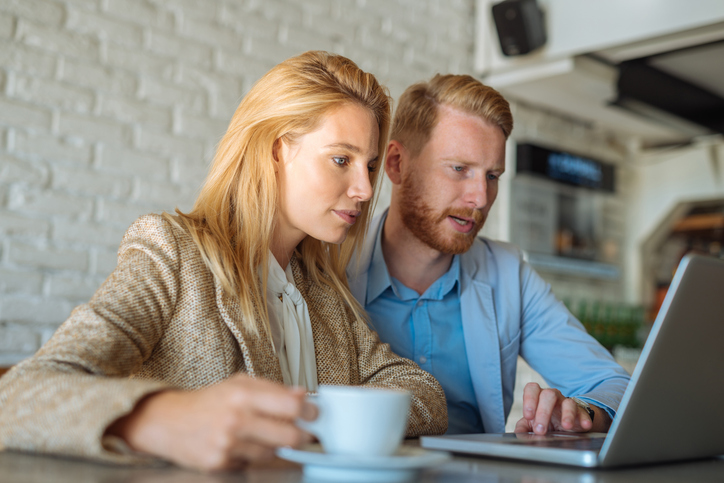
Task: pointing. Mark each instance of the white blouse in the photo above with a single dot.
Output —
(291, 328)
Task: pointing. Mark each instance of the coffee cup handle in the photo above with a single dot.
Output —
(313, 427)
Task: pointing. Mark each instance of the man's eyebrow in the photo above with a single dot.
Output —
(464, 162)
(470, 163)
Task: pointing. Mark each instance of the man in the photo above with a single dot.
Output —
(464, 307)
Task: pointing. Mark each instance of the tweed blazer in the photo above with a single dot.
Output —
(161, 320)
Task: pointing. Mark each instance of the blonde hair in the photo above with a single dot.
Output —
(234, 216)
(416, 113)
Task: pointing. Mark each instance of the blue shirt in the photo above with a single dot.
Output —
(428, 329)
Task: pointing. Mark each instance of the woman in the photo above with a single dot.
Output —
(181, 353)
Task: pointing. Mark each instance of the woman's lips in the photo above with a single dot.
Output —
(349, 216)
(461, 225)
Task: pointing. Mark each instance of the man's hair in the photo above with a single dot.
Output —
(417, 111)
(234, 216)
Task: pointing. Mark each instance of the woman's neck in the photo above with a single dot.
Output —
(282, 247)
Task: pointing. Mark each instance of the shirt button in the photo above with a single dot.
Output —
(423, 359)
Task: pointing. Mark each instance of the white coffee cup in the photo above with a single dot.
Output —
(362, 421)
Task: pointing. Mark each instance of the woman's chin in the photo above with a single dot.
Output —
(333, 238)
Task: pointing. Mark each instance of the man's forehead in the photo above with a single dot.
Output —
(467, 139)
(448, 113)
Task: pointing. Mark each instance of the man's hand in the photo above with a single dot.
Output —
(547, 410)
(220, 427)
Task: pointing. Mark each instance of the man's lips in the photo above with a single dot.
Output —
(461, 224)
(349, 216)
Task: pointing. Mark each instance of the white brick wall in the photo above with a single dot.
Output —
(110, 109)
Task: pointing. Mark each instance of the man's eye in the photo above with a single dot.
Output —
(339, 160)
(459, 169)
(493, 176)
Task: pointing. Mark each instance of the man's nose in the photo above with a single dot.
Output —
(477, 193)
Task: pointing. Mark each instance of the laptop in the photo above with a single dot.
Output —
(672, 408)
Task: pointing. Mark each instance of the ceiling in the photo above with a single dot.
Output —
(590, 87)
(701, 65)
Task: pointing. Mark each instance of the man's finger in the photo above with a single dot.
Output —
(569, 414)
(522, 426)
(531, 393)
(547, 402)
(583, 420)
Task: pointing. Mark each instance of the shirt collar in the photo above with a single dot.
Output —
(446, 283)
(379, 280)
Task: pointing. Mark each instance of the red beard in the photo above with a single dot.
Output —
(425, 223)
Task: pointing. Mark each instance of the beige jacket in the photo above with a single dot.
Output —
(160, 320)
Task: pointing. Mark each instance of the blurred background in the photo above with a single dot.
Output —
(110, 109)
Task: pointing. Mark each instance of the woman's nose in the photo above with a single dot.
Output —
(361, 187)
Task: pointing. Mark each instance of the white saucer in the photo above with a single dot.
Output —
(402, 466)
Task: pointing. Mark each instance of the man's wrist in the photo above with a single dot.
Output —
(599, 416)
(602, 421)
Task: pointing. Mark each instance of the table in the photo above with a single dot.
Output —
(18, 467)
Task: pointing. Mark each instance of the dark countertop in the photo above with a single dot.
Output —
(16, 467)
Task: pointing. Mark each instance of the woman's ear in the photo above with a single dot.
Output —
(396, 156)
(276, 154)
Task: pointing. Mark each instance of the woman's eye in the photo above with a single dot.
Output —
(372, 168)
(339, 160)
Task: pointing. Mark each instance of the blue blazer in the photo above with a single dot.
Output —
(509, 310)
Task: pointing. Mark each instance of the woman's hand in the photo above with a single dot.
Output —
(220, 427)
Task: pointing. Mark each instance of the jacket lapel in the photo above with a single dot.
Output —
(334, 346)
(260, 359)
(480, 327)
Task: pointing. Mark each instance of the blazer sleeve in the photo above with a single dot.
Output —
(581, 366)
(380, 367)
(61, 400)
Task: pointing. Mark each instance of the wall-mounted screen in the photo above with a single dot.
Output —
(565, 167)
